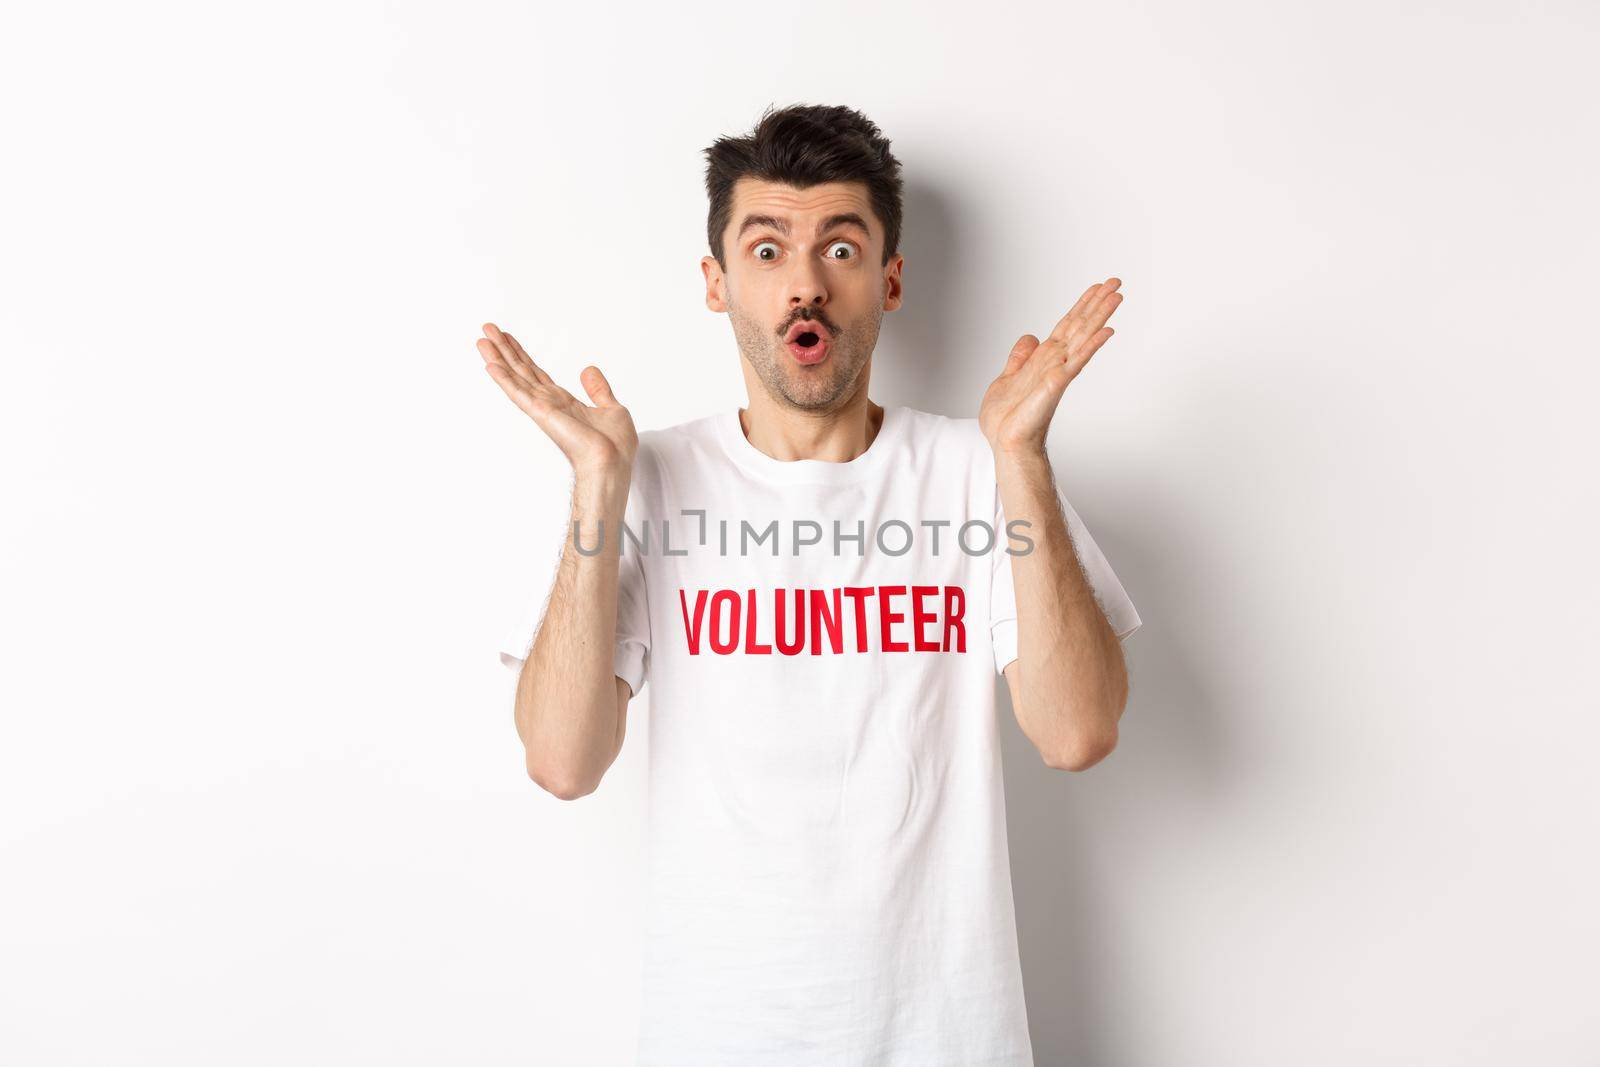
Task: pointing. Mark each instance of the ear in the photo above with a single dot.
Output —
(716, 289)
(893, 286)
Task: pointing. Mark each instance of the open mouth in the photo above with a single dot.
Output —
(808, 348)
(808, 342)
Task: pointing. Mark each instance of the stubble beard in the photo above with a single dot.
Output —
(816, 388)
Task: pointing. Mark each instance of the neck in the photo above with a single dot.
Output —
(787, 433)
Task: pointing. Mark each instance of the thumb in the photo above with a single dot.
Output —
(1020, 353)
(599, 390)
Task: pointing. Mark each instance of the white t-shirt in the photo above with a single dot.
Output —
(829, 877)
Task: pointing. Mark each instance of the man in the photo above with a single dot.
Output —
(819, 590)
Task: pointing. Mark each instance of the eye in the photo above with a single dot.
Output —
(765, 244)
(842, 244)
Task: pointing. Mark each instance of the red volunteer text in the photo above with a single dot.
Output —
(879, 618)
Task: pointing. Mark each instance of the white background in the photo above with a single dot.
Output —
(266, 517)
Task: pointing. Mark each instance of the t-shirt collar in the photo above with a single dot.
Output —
(817, 471)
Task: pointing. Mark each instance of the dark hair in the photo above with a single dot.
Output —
(804, 145)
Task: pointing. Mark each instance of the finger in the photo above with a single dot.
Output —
(513, 385)
(1025, 346)
(539, 372)
(558, 423)
(539, 403)
(493, 356)
(599, 390)
(521, 365)
(1095, 317)
(1089, 348)
(1065, 325)
(493, 347)
(529, 376)
(1061, 375)
(493, 353)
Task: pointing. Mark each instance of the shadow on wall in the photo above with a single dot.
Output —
(914, 364)
(1078, 839)
(1068, 833)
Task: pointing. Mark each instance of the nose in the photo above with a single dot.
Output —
(807, 287)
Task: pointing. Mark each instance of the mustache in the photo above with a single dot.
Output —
(816, 317)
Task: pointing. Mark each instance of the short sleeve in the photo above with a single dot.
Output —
(1113, 599)
(631, 646)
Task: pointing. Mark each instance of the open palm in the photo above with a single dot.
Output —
(1019, 404)
(597, 438)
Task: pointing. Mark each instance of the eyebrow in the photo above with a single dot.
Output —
(844, 218)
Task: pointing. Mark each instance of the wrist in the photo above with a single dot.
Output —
(607, 482)
(1021, 457)
(1025, 471)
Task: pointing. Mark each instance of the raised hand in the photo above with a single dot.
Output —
(1019, 404)
(595, 439)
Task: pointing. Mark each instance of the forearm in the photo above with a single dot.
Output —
(567, 706)
(1072, 679)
